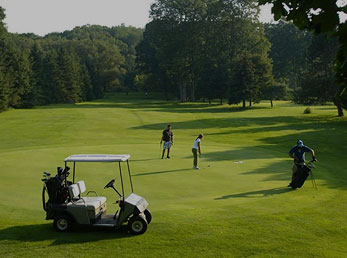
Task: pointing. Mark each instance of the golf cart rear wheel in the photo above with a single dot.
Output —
(148, 216)
(62, 223)
(137, 225)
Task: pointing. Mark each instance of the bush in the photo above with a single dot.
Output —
(307, 110)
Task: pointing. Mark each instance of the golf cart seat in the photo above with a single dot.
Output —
(82, 188)
(95, 206)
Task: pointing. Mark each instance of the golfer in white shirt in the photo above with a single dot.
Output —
(196, 148)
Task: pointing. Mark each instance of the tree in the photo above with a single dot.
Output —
(321, 17)
(153, 54)
(275, 90)
(36, 59)
(317, 83)
(23, 82)
(4, 74)
(289, 47)
(190, 46)
(252, 73)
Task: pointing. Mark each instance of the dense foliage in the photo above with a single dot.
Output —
(66, 67)
(194, 49)
(320, 17)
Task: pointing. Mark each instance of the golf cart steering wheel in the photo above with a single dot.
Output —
(110, 184)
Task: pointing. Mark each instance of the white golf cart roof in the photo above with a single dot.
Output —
(98, 158)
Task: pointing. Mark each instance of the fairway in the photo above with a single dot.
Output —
(236, 205)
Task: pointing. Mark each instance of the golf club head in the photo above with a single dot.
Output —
(59, 171)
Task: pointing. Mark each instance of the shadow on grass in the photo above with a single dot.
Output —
(44, 232)
(264, 124)
(257, 194)
(139, 160)
(162, 172)
(153, 105)
(277, 171)
(241, 154)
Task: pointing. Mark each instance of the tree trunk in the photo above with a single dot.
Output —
(166, 96)
(209, 101)
(192, 92)
(340, 111)
(250, 102)
(183, 92)
(243, 103)
(272, 104)
(221, 101)
(339, 107)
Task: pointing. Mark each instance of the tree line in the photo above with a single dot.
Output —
(69, 67)
(219, 49)
(206, 49)
(195, 49)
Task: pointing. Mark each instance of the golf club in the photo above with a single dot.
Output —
(312, 166)
(313, 181)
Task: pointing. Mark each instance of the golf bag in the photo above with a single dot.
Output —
(300, 177)
(56, 188)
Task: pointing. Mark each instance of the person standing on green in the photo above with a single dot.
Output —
(167, 137)
(196, 148)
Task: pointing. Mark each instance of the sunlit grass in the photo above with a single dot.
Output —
(226, 209)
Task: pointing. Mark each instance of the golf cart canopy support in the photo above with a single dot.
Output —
(102, 158)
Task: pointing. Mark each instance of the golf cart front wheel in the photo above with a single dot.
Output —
(137, 225)
(148, 215)
(62, 224)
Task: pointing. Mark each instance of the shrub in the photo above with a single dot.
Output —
(307, 110)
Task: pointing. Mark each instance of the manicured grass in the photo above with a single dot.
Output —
(225, 209)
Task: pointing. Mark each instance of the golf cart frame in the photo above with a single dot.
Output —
(92, 210)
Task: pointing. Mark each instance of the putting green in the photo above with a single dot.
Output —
(236, 205)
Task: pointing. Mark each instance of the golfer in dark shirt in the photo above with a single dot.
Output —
(297, 152)
(167, 137)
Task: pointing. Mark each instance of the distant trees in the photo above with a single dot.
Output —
(14, 71)
(320, 17)
(193, 49)
(289, 46)
(67, 67)
(317, 82)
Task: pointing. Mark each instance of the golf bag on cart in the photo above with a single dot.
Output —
(56, 187)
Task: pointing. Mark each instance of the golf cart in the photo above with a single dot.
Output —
(65, 205)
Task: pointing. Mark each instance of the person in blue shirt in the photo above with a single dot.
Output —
(297, 152)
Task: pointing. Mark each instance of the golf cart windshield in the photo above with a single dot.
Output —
(102, 158)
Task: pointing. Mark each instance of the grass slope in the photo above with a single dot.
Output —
(226, 209)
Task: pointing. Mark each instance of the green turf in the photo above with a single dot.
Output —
(225, 209)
